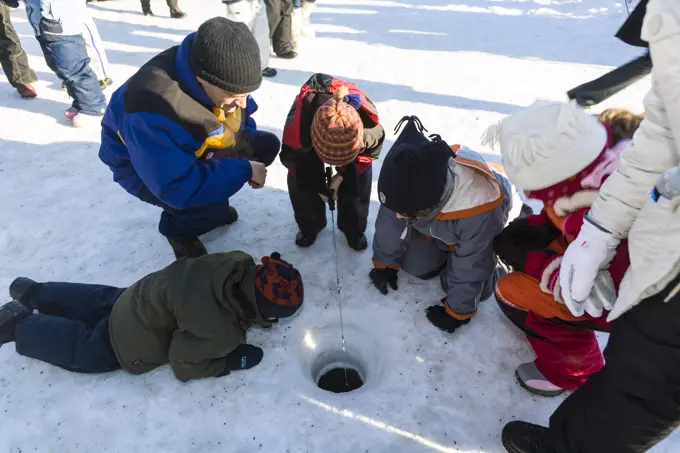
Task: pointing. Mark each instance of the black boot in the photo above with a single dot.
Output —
(188, 248)
(147, 11)
(288, 55)
(176, 13)
(358, 243)
(233, 215)
(269, 72)
(11, 314)
(305, 239)
(523, 437)
(21, 289)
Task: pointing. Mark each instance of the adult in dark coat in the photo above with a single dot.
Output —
(193, 315)
(596, 91)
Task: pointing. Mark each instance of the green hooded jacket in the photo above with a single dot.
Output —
(187, 315)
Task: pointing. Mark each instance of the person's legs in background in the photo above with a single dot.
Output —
(67, 57)
(279, 15)
(13, 59)
(253, 13)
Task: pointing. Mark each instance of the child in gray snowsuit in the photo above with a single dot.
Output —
(441, 208)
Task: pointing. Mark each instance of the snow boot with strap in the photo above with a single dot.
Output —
(523, 437)
(11, 314)
(533, 380)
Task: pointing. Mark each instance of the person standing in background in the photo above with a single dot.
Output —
(99, 62)
(175, 12)
(58, 27)
(12, 56)
(253, 13)
(280, 16)
(301, 15)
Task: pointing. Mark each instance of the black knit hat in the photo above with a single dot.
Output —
(413, 175)
(224, 53)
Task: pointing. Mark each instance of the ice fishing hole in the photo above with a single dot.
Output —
(324, 361)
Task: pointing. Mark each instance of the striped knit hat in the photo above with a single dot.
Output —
(337, 130)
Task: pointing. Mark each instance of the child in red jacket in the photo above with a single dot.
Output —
(560, 155)
(333, 123)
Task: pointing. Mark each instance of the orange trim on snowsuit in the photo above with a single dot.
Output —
(379, 265)
(522, 291)
(455, 315)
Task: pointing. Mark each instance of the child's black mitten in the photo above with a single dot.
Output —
(437, 315)
(244, 357)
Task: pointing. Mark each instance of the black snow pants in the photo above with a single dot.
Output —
(634, 401)
(596, 91)
(12, 56)
(354, 198)
(280, 16)
(71, 330)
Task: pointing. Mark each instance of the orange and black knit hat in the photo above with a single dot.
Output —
(337, 130)
(278, 287)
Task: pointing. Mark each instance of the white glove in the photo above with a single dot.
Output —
(602, 297)
(591, 252)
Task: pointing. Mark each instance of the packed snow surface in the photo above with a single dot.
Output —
(458, 65)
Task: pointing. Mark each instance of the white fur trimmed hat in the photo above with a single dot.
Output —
(546, 143)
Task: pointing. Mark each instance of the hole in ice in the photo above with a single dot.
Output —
(340, 380)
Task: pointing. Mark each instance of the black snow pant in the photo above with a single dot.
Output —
(352, 205)
(280, 16)
(596, 91)
(146, 4)
(71, 330)
(12, 56)
(634, 401)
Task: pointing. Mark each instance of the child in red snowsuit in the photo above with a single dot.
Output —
(561, 156)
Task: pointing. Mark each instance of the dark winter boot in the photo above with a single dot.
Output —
(305, 239)
(233, 215)
(27, 91)
(289, 55)
(147, 11)
(21, 289)
(269, 72)
(358, 243)
(176, 13)
(11, 314)
(523, 437)
(188, 248)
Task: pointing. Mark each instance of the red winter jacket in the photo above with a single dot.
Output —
(297, 153)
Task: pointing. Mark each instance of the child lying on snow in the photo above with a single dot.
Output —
(193, 314)
(560, 155)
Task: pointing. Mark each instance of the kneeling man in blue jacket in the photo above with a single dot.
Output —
(179, 133)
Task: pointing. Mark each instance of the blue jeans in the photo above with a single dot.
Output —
(71, 330)
(182, 224)
(67, 57)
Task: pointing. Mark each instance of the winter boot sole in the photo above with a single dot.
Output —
(546, 393)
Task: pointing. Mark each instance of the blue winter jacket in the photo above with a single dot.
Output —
(158, 128)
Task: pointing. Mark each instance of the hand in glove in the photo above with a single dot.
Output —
(244, 357)
(601, 298)
(437, 315)
(382, 277)
(591, 252)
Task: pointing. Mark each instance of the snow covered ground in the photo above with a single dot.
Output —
(458, 65)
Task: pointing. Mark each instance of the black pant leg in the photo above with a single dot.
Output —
(634, 401)
(280, 16)
(309, 209)
(12, 56)
(67, 343)
(273, 15)
(596, 91)
(353, 203)
(76, 301)
(146, 4)
(172, 4)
